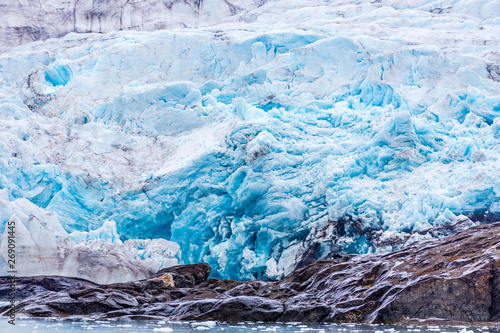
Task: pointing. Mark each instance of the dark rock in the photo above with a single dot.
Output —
(161, 298)
(466, 298)
(310, 256)
(188, 310)
(179, 293)
(186, 276)
(29, 286)
(242, 308)
(310, 313)
(37, 310)
(495, 292)
(452, 280)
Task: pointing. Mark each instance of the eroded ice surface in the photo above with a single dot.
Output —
(287, 133)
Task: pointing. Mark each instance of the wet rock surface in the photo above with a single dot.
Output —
(454, 279)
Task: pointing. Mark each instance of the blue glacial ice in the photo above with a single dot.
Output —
(264, 145)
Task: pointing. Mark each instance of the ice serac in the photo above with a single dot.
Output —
(268, 141)
(43, 247)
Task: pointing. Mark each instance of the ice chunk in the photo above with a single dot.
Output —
(107, 231)
(58, 75)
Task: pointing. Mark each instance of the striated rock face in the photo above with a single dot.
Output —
(453, 279)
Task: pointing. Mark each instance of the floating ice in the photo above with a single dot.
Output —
(163, 329)
(303, 131)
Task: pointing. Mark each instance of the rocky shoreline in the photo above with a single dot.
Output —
(454, 279)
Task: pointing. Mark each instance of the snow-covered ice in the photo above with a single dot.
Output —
(286, 132)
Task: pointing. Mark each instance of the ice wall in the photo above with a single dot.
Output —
(264, 145)
(26, 21)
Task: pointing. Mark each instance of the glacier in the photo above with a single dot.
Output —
(280, 134)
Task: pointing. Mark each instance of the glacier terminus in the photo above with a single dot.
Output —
(257, 137)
